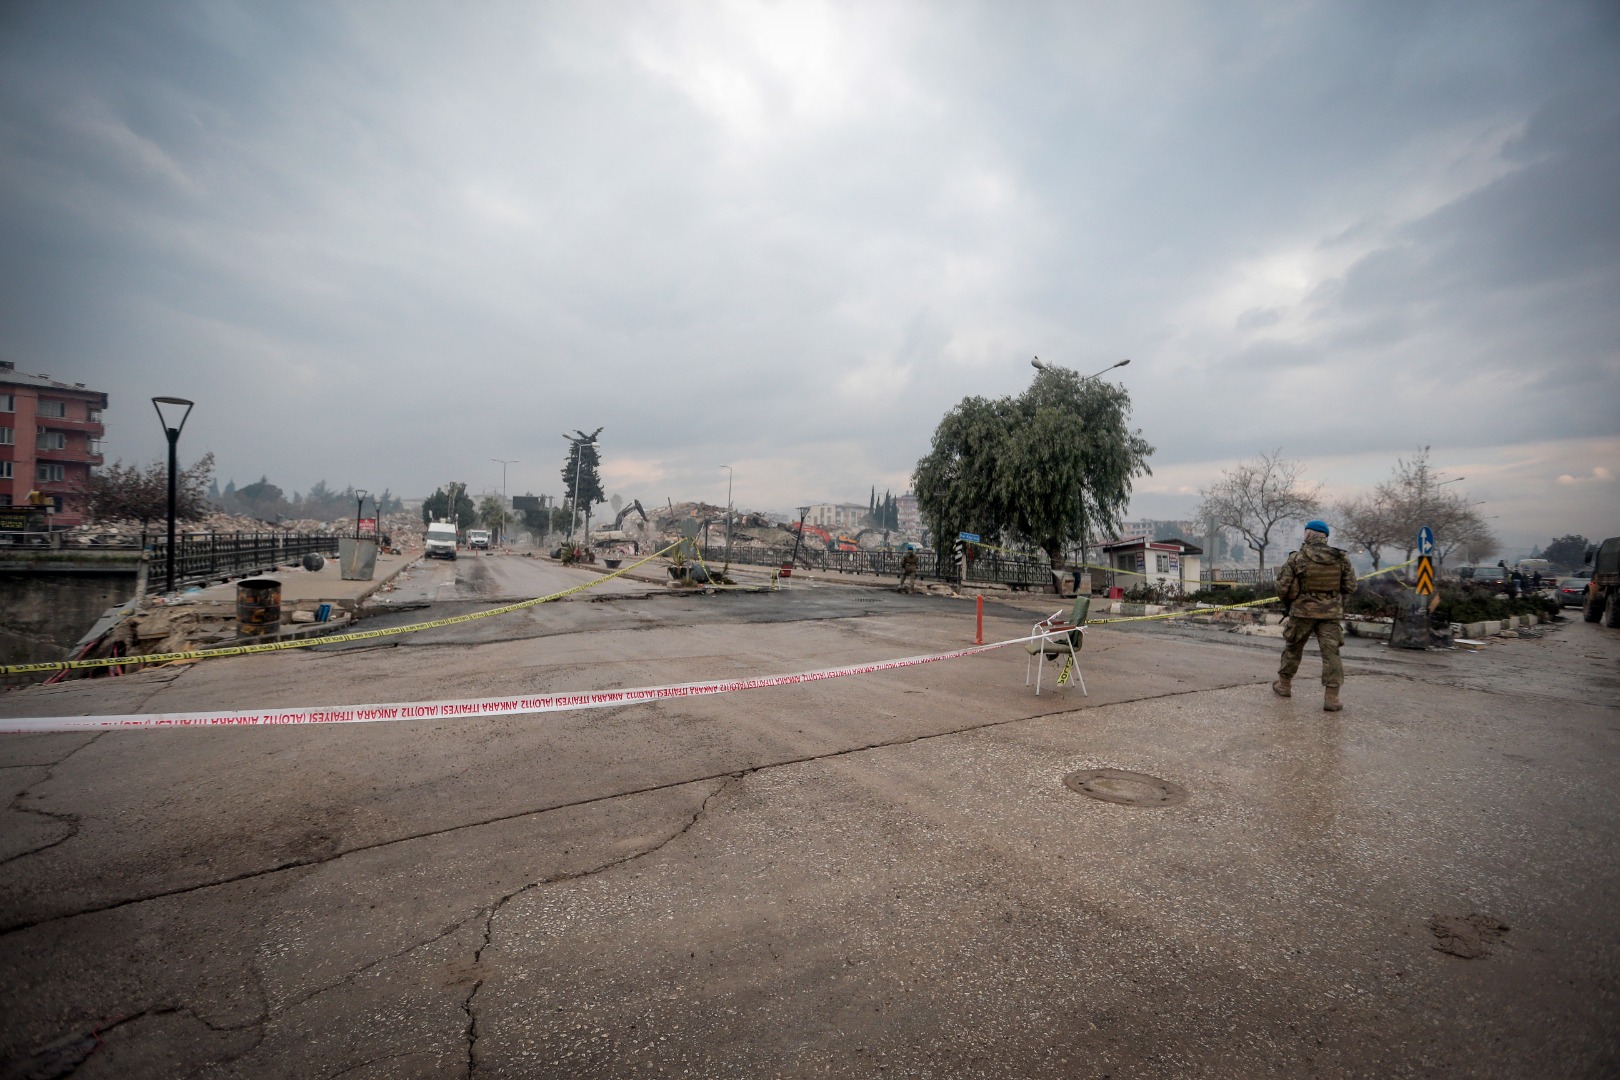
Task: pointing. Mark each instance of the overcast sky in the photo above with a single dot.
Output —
(382, 243)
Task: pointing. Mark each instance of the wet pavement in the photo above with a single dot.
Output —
(883, 875)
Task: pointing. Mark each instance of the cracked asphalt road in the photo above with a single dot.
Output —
(874, 876)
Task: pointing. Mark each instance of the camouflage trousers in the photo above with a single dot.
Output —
(1329, 636)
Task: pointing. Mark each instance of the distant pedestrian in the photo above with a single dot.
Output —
(1315, 581)
(1535, 580)
(1515, 583)
(908, 571)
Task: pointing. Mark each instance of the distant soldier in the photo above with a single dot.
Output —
(908, 571)
(1314, 582)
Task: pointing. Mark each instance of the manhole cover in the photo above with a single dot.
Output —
(1125, 788)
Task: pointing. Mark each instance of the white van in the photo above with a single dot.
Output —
(478, 538)
(441, 540)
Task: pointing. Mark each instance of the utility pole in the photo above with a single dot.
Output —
(580, 443)
(728, 514)
(501, 532)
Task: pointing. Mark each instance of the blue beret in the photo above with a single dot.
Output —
(1319, 526)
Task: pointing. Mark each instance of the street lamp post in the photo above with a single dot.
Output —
(501, 539)
(1041, 365)
(728, 514)
(359, 509)
(171, 431)
(793, 561)
(581, 442)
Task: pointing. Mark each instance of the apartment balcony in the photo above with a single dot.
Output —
(69, 455)
(68, 423)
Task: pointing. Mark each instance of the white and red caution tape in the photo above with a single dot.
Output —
(498, 706)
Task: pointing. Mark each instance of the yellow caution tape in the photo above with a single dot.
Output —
(1229, 607)
(305, 643)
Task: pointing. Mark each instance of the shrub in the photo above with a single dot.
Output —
(1239, 594)
(1460, 605)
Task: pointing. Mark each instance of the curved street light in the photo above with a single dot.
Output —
(501, 532)
(1041, 365)
(171, 431)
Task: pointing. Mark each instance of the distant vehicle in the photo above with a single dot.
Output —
(1529, 567)
(1487, 577)
(1603, 591)
(478, 538)
(1571, 592)
(441, 540)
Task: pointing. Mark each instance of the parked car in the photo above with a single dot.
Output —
(1572, 591)
(1484, 577)
(478, 539)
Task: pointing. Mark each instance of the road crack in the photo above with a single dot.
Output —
(293, 864)
(467, 1006)
(70, 821)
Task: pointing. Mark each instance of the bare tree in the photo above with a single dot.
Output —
(141, 492)
(1482, 549)
(1369, 523)
(1471, 535)
(1259, 495)
(1416, 496)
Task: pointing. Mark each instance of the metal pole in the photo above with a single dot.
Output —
(728, 512)
(173, 435)
(579, 459)
(501, 532)
(803, 510)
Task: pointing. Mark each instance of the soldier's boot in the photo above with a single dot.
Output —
(1330, 700)
(1283, 687)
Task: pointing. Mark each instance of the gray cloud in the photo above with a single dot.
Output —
(790, 237)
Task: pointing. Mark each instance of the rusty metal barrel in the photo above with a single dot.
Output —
(258, 607)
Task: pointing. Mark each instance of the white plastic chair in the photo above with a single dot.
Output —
(1055, 636)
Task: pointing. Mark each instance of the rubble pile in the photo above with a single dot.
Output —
(403, 528)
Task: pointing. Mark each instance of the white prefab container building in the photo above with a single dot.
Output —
(1155, 562)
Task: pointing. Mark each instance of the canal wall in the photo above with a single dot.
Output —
(51, 599)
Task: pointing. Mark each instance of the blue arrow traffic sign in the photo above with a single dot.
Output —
(1425, 541)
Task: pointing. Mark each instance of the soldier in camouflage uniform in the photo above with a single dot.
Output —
(1315, 581)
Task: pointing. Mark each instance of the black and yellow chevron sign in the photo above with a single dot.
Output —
(1425, 576)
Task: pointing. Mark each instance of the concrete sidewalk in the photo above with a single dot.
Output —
(200, 618)
(306, 588)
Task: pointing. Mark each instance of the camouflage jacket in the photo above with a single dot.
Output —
(1316, 578)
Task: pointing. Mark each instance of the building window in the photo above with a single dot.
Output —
(49, 474)
(1163, 562)
(5, 500)
(57, 409)
(50, 440)
(5, 436)
(8, 402)
(5, 470)
(94, 416)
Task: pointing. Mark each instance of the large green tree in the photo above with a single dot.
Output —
(1568, 552)
(581, 468)
(1051, 466)
(437, 506)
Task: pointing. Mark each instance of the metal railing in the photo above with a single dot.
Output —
(202, 557)
(989, 567)
(1266, 577)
